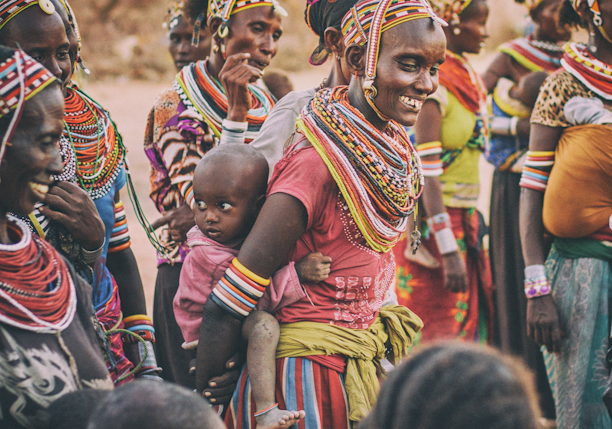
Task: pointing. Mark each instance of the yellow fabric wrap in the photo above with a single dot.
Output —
(395, 328)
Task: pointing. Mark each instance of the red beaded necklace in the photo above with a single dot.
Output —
(36, 290)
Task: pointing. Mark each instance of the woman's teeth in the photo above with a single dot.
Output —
(39, 188)
(414, 103)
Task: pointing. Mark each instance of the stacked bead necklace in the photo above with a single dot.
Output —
(203, 93)
(36, 291)
(96, 142)
(594, 74)
(378, 173)
(534, 55)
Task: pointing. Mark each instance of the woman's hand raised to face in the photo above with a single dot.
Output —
(72, 207)
(235, 77)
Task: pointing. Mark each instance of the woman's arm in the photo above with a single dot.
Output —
(280, 224)
(500, 67)
(427, 129)
(542, 314)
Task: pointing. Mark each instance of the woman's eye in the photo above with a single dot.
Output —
(225, 206)
(276, 36)
(409, 66)
(201, 205)
(174, 38)
(256, 29)
(434, 71)
(63, 55)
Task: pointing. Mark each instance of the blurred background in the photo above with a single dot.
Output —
(126, 49)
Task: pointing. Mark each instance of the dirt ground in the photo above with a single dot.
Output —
(129, 104)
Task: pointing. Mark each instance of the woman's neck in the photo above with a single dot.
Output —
(336, 77)
(538, 34)
(358, 100)
(4, 236)
(214, 64)
(600, 48)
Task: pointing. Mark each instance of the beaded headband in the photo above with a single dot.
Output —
(175, 11)
(367, 20)
(449, 10)
(532, 4)
(11, 8)
(21, 78)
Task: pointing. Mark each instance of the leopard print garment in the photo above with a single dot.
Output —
(557, 90)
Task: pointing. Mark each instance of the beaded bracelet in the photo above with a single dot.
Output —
(233, 132)
(265, 410)
(239, 290)
(431, 168)
(440, 224)
(186, 190)
(536, 281)
(120, 236)
(536, 170)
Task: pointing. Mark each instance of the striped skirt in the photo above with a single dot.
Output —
(301, 384)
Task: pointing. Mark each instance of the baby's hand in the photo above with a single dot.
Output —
(313, 267)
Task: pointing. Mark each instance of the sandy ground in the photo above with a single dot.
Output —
(129, 104)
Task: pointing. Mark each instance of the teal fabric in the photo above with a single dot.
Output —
(578, 374)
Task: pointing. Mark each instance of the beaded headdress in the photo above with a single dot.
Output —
(175, 11)
(368, 19)
(11, 8)
(449, 10)
(21, 78)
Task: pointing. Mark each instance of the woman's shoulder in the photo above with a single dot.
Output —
(168, 100)
(558, 89)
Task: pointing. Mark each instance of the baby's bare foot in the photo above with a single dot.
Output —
(279, 419)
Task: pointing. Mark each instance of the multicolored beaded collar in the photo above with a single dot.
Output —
(378, 173)
(534, 55)
(202, 93)
(594, 74)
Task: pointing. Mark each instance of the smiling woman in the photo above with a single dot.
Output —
(213, 101)
(330, 194)
(46, 334)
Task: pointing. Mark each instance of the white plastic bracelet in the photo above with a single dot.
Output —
(513, 125)
(445, 239)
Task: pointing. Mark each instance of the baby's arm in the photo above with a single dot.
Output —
(261, 330)
(582, 110)
(313, 267)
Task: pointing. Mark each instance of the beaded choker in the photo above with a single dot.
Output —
(594, 74)
(97, 144)
(378, 173)
(534, 55)
(36, 290)
(201, 92)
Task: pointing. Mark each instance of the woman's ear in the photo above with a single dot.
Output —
(355, 58)
(214, 26)
(259, 202)
(334, 40)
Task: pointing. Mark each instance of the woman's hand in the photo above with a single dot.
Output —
(235, 77)
(543, 323)
(220, 389)
(179, 221)
(455, 274)
(72, 207)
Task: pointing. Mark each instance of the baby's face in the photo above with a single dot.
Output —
(223, 211)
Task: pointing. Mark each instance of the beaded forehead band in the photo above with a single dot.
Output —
(449, 10)
(366, 22)
(11, 8)
(21, 78)
(175, 11)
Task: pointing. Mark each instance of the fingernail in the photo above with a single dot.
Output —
(213, 400)
(212, 384)
(231, 364)
(207, 394)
